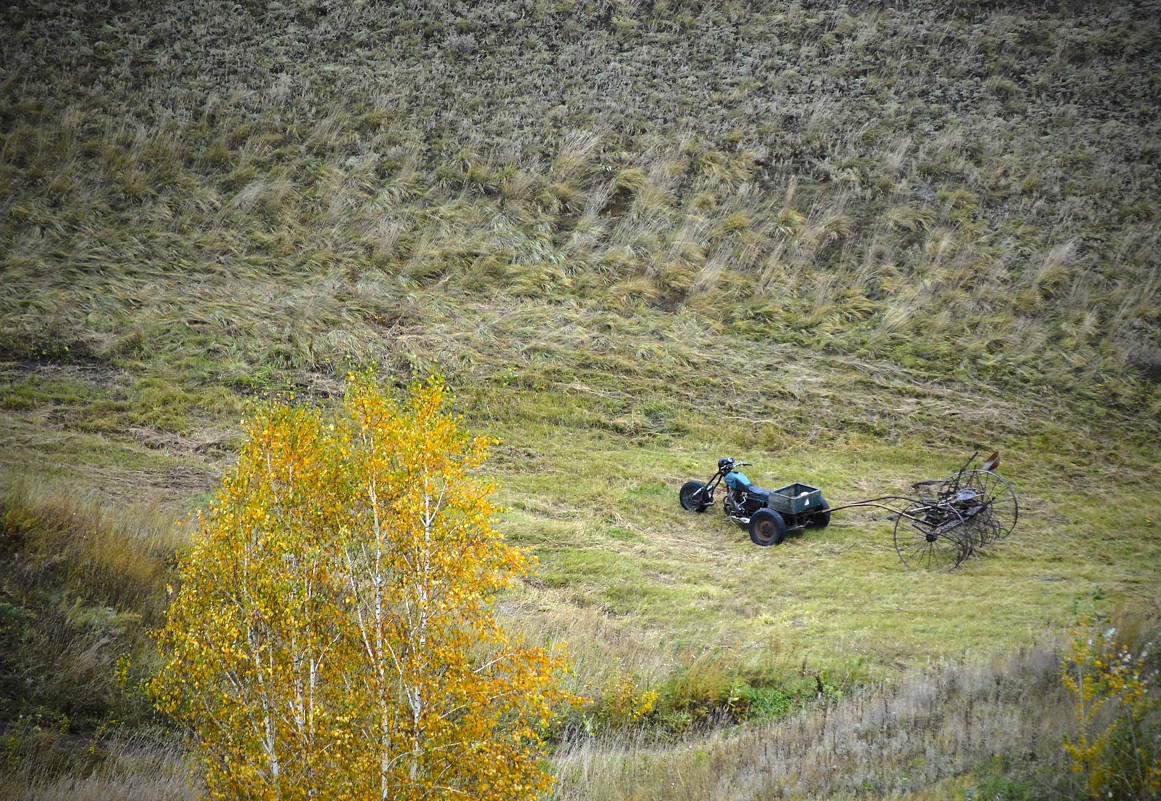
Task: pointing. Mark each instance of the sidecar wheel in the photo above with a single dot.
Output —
(692, 496)
(767, 527)
(821, 518)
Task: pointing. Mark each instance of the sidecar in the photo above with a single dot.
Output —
(768, 514)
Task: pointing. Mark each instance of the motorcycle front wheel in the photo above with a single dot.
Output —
(693, 496)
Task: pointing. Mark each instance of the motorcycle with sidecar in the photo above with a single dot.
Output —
(768, 514)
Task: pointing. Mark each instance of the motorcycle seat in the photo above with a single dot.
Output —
(755, 491)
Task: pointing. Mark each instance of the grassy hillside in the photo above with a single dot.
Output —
(974, 189)
(848, 243)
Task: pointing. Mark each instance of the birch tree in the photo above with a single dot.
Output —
(334, 633)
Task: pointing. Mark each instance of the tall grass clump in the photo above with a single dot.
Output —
(946, 727)
(49, 766)
(82, 583)
(940, 186)
(1078, 720)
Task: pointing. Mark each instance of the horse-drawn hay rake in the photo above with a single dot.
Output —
(945, 522)
(951, 518)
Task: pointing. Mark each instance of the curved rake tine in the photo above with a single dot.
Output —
(993, 462)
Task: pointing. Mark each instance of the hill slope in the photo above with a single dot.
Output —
(849, 243)
(976, 188)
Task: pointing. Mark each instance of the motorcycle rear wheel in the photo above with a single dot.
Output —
(767, 527)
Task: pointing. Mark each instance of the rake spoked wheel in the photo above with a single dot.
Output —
(1001, 510)
(932, 536)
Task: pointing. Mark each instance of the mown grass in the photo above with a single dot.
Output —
(851, 245)
(612, 536)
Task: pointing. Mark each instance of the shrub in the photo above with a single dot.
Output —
(1117, 744)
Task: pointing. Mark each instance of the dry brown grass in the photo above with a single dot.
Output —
(102, 770)
(880, 742)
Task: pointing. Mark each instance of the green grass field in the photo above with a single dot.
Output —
(850, 245)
